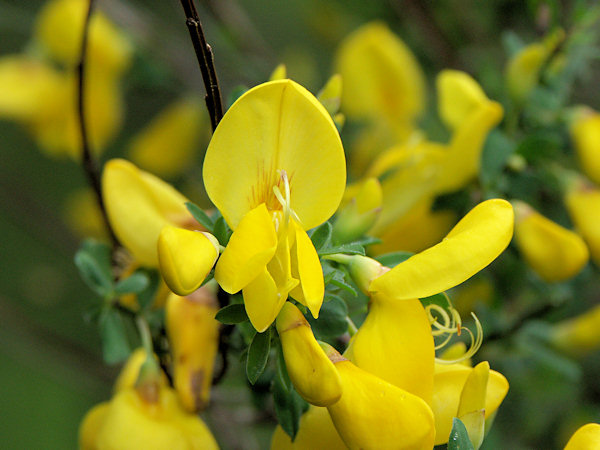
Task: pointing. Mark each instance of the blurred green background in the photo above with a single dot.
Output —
(51, 369)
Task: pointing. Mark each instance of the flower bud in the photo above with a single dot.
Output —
(358, 216)
(578, 335)
(310, 370)
(583, 204)
(552, 251)
(585, 438)
(373, 413)
(331, 94)
(193, 334)
(185, 258)
(471, 408)
(585, 133)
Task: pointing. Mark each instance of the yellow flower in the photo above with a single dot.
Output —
(316, 430)
(382, 78)
(585, 133)
(585, 438)
(523, 69)
(59, 29)
(583, 204)
(144, 413)
(139, 206)
(274, 168)
(360, 212)
(312, 373)
(451, 391)
(193, 335)
(552, 251)
(166, 145)
(580, 334)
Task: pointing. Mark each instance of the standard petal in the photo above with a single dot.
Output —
(306, 267)
(185, 258)
(585, 438)
(458, 96)
(469, 247)
(139, 206)
(251, 246)
(262, 300)
(277, 126)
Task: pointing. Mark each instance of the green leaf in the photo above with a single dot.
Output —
(222, 231)
(394, 258)
(321, 235)
(198, 214)
(232, 314)
(367, 240)
(339, 280)
(459, 438)
(498, 148)
(147, 296)
(93, 263)
(134, 284)
(351, 249)
(332, 318)
(115, 346)
(289, 406)
(258, 354)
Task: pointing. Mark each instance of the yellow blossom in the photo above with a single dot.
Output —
(583, 204)
(585, 133)
(585, 438)
(580, 334)
(552, 251)
(274, 168)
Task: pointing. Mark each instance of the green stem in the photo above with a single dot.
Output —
(352, 329)
(145, 334)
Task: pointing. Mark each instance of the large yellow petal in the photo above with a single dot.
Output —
(470, 246)
(306, 267)
(374, 414)
(316, 431)
(311, 371)
(585, 438)
(263, 301)
(448, 386)
(580, 334)
(458, 96)
(277, 126)
(185, 258)
(395, 343)
(139, 206)
(382, 78)
(553, 252)
(462, 161)
(251, 246)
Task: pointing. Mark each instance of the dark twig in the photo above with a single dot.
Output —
(206, 61)
(89, 164)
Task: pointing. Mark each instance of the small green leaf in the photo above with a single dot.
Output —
(147, 296)
(115, 346)
(321, 236)
(134, 284)
(394, 258)
(459, 438)
(367, 240)
(332, 318)
(222, 231)
(351, 249)
(498, 148)
(202, 218)
(94, 270)
(339, 280)
(232, 314)
(258, 354)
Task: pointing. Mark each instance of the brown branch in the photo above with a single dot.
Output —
(88, 162)
(206, 61)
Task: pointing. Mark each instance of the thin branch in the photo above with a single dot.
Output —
(206, 61)
(88, 163)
